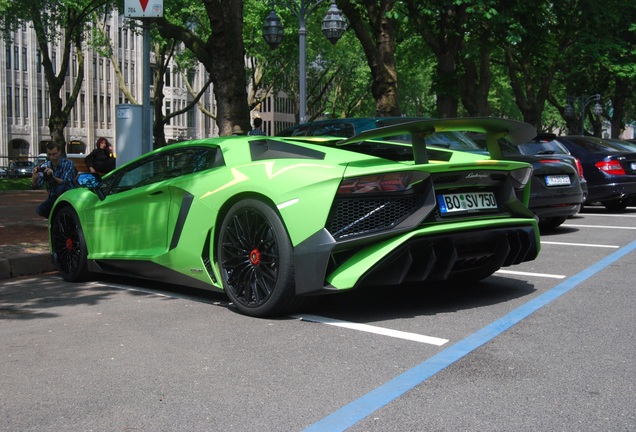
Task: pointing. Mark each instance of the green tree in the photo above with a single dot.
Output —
(375, 27)
(213, 31)
(63, 22)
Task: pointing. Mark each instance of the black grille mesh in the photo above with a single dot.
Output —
(358, 216)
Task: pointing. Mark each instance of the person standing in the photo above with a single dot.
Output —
(100, 160)
(57, 173)
(258, 122)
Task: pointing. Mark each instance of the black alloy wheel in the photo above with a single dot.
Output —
(616, 205)
(69, 245)
(255, 256)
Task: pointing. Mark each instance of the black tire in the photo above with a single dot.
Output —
(616, 205)
(552, 222)
(69, 246)
(255, 257)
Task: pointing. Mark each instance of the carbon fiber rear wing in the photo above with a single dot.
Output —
(515, 132)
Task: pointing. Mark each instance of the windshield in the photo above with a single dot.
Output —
(597, 145)
(550, 147)
(453, 141)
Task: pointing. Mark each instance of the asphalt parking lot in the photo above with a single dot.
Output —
(546, 345)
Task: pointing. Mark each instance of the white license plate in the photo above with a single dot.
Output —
(633, 165)
(557, 180)
(466, 202)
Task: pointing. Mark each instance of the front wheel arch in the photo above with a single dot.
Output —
(68, 244)
(255, 258)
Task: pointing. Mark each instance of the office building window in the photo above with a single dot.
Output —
(24, 59)
(47, 106)
(25, 103)
(9, 102)
(83, 108)
(16, 58)
(191, 117)
(17, 103)
(8, 56)
(40, 102)
(101, 109)
(39, 61)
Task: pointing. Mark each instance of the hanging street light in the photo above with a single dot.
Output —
(583, 101)
(333, 27)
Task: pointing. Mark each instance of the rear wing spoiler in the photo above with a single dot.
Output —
(515, 132)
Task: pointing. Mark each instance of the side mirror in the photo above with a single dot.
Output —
(90, 181)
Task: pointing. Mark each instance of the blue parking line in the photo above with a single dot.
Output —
(360, 408)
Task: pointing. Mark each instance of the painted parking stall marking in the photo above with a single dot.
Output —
(597, 226)
(520, 273)
(373, 329)
(543, 242)
(358, 409)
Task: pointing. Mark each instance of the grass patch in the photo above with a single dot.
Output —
(15, 184)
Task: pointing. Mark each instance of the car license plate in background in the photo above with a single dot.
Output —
(466, 202)
(633, 166)
(557, 180)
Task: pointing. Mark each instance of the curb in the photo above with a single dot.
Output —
(25, 264)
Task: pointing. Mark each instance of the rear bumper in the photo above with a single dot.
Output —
(611, 191)
(424, 255)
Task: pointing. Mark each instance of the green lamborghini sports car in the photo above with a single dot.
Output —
(272, 221)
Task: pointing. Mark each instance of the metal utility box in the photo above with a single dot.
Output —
(129, 133)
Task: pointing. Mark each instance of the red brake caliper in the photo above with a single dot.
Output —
(255, 257)
(69, 244)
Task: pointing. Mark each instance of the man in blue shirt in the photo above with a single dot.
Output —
(258, 122)
(57, 173)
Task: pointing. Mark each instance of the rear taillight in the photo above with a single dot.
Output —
(610, 167)
(549, 161)
(392, 182)
(579, 168)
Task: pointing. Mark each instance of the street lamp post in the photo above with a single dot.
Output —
(584, 101)
(333, 27)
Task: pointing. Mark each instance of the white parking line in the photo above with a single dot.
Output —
(598, 226)
(608, 215)
(579, 244)
(546, 275)
(373, 329)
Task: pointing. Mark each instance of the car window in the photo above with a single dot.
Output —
(453, 141)
(592, 145)
(295, 131)
(543, 148)
(164, 166)
(344, 130)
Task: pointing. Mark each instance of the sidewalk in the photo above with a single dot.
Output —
(24, 245)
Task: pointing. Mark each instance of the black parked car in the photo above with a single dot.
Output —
(556, 191)
(610, 169)
(558, 188)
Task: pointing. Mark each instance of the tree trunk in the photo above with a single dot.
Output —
(376, 33)
(223, 56)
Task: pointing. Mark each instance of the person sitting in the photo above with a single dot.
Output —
(57, 173)
(258, 122)
(100, 160)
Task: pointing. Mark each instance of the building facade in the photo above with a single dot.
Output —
(26, 108)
